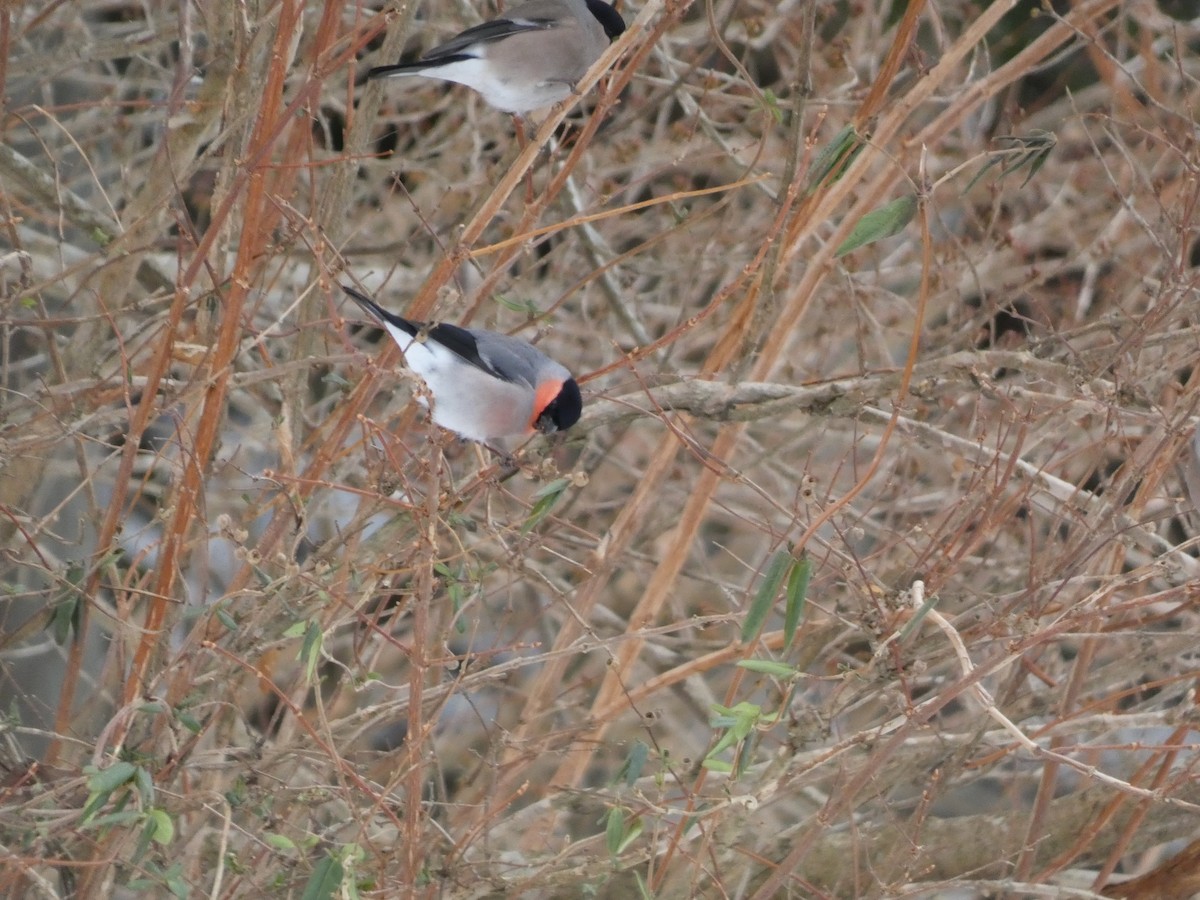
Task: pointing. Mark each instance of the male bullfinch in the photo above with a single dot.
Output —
(530, 58)
(485, 386)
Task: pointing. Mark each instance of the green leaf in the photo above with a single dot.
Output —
(68, 605)
(835, 157)
(226, 619)
(528, 307)
(765, 598)
(880, 223)
(738, 722)
(911, 626)
(716, 765)
(164, 828)
(744, 755)
(176, 883)
(631, 769)
(768, 667)
(101, 785)
(1031, 151)
(773, 105)
(144, 838)
(92, 806)
(236, 795)
(546, 498)
(145, 785)
(108, 780)
(310, 652)
(296, 629)
(325, 881)
(614, 830)
(797, 592)
(632, 833)
(279, 842)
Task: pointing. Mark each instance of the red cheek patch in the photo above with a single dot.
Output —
(546, 393)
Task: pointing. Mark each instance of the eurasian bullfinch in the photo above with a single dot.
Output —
(531, 57)
(485, 386)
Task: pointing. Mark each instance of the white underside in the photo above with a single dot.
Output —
(467, 400)
(508, 95)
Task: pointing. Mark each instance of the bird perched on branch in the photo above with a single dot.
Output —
(485, 386)
(531, 57)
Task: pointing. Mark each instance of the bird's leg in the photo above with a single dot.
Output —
(504, 460)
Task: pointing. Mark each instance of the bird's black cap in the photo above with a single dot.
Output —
(606, 15)
(563, 411)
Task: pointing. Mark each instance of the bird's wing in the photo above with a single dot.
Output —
(487, 33)
(463, 344)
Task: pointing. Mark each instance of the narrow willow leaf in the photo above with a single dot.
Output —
(747, 716)
(1030, 151)
(880, 223)
(144, 839)
(279, 842)
(716, 765)
(325, 880)
(727, 740)
(95, 800)
(176, 883)
(916, 619)
(835, 157)
(632, 833)
(745, 754)
(768, 667)
(635, 763)
(992, 162)
(797, 593)
(546, 498)
(765, 598)
(520, 305)
(145, 785)
(738, 722)
(108, 780)
(68, 606)
(310, 653)
(614, 830)
(296, 629)
(455, 592)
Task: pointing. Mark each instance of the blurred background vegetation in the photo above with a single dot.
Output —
(868, 572)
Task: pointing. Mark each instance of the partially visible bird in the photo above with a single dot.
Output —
(485, 386)
(530, 58)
